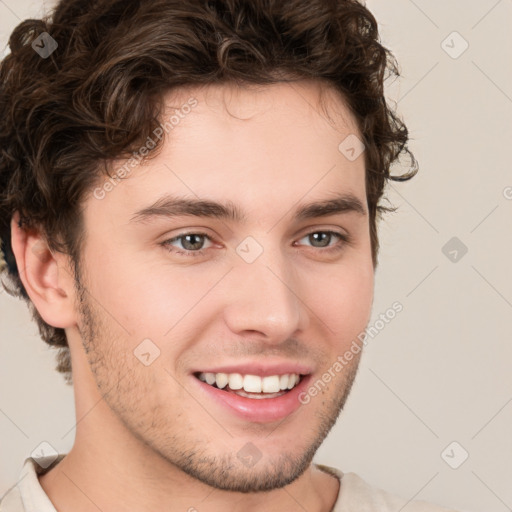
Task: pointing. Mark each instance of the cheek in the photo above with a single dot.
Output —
(342, 298)
(140, 297)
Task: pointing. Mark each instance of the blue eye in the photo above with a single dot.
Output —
(326, 237)
(192, 243)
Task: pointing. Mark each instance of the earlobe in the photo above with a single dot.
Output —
(44, 274)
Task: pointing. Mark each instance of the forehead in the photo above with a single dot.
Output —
(302, 104)
(263, 145)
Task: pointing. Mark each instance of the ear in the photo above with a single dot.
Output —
(46, 276)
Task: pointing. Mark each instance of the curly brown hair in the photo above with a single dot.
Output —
(64, 115)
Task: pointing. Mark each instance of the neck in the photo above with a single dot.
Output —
(110, 470)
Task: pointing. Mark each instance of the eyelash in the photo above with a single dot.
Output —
(345, 240)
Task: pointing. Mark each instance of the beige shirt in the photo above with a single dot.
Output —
(355, 494)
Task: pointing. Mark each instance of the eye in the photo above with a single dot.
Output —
(191, 243)
(323, 239)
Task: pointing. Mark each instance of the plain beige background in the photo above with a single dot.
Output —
(439, 372)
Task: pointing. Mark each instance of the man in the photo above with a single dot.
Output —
(189, 202)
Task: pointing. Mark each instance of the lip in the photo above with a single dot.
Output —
(261, 369)
(263, 410)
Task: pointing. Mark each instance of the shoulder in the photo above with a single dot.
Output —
(27, 493)
(358, 489)
(11, 501)
(357, 494)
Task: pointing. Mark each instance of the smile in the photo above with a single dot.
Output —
(251, 386)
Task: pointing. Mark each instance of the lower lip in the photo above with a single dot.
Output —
(259, 410)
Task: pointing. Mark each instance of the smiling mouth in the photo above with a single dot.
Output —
(251, 386)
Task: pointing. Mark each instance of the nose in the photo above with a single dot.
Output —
(265, 297)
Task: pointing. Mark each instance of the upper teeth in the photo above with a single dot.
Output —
(251, 383)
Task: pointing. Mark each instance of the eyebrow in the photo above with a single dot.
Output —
(173, 206)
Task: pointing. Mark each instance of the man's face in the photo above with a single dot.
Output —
(267, 295)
